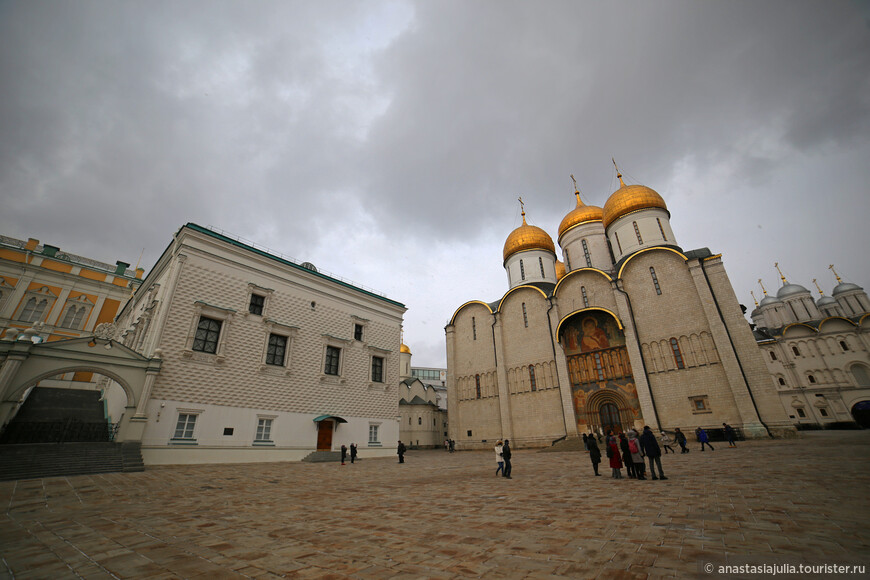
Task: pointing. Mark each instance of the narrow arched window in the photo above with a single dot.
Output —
(662, 230)
(795, 350)
(844, 346)
(532, 381)
(586, 253)
(525, 316)
(782, 381)
(678, 356)
(522, 271)
(567, 261)
(637, 233)
(772, 355)
(811, 379)
(585, 298)
(541, 264)
(68, 317)
(477, 384)
(473, 328)
(652, 272)
(618, 245)
(77, 320)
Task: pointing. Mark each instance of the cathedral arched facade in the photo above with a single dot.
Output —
(629, 330)
(818, 352)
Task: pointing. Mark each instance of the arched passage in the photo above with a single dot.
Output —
(861, 413)
(25, 364)
(602, 382)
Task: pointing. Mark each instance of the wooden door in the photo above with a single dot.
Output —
(324, 435)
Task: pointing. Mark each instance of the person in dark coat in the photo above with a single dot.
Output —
(594, 454)
(729, 435)
(343, 453)
(401, 452)
(681, 440)
(626, 456)
(506, 455)
(703, 439)
(615, 460)
(352, 452)
(653, 453)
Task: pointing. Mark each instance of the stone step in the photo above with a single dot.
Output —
(61, 459)
(323, 456)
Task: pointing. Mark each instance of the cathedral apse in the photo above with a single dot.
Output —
(602, 383)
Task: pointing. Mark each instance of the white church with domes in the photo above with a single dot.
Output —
(817, 352)
(629, 329)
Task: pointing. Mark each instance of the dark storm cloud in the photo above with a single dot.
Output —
(495, 99)
(388, 141)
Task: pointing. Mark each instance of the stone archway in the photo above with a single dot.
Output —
(23, 364)
(861, 414)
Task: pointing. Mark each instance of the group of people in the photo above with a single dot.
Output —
(449, 445)
(630, 449)
(503, 458)
(344, 451)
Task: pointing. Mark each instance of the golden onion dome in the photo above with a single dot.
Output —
(581, 214)
(629, 198)
(404, 348)
(560, 270)
(527, 237)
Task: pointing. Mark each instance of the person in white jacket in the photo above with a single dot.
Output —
(499, 459)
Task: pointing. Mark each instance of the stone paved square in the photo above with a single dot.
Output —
(446, 515)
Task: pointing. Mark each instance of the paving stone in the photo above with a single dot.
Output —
(443, 515)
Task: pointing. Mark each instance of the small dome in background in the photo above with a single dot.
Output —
(825, 301)
(787, 290)
(845, 287)
(404, 349)
(560, 270)
(770, 300)
(308, 266)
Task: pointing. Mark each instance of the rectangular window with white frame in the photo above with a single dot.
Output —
(264, 430)
(184, 427)
(374, 434)
(332, 365)
(276, 351)
(208, 332)
(377, 369)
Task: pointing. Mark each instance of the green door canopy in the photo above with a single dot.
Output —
(333, 417)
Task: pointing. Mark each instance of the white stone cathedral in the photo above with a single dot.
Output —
(818, 352)
(630, 330)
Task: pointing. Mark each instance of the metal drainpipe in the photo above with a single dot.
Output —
(640, 350)
(739, 364)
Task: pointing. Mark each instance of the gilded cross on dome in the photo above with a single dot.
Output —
(522, 208)
(762, 286)
(831, 268)
(776, 265)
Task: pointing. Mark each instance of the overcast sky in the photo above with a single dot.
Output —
(387, 142)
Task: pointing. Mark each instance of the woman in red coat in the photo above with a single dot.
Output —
(613, 454)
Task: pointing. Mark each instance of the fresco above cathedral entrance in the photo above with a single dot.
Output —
(602, 383)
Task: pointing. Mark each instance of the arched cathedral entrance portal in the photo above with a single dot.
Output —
(602, 383)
